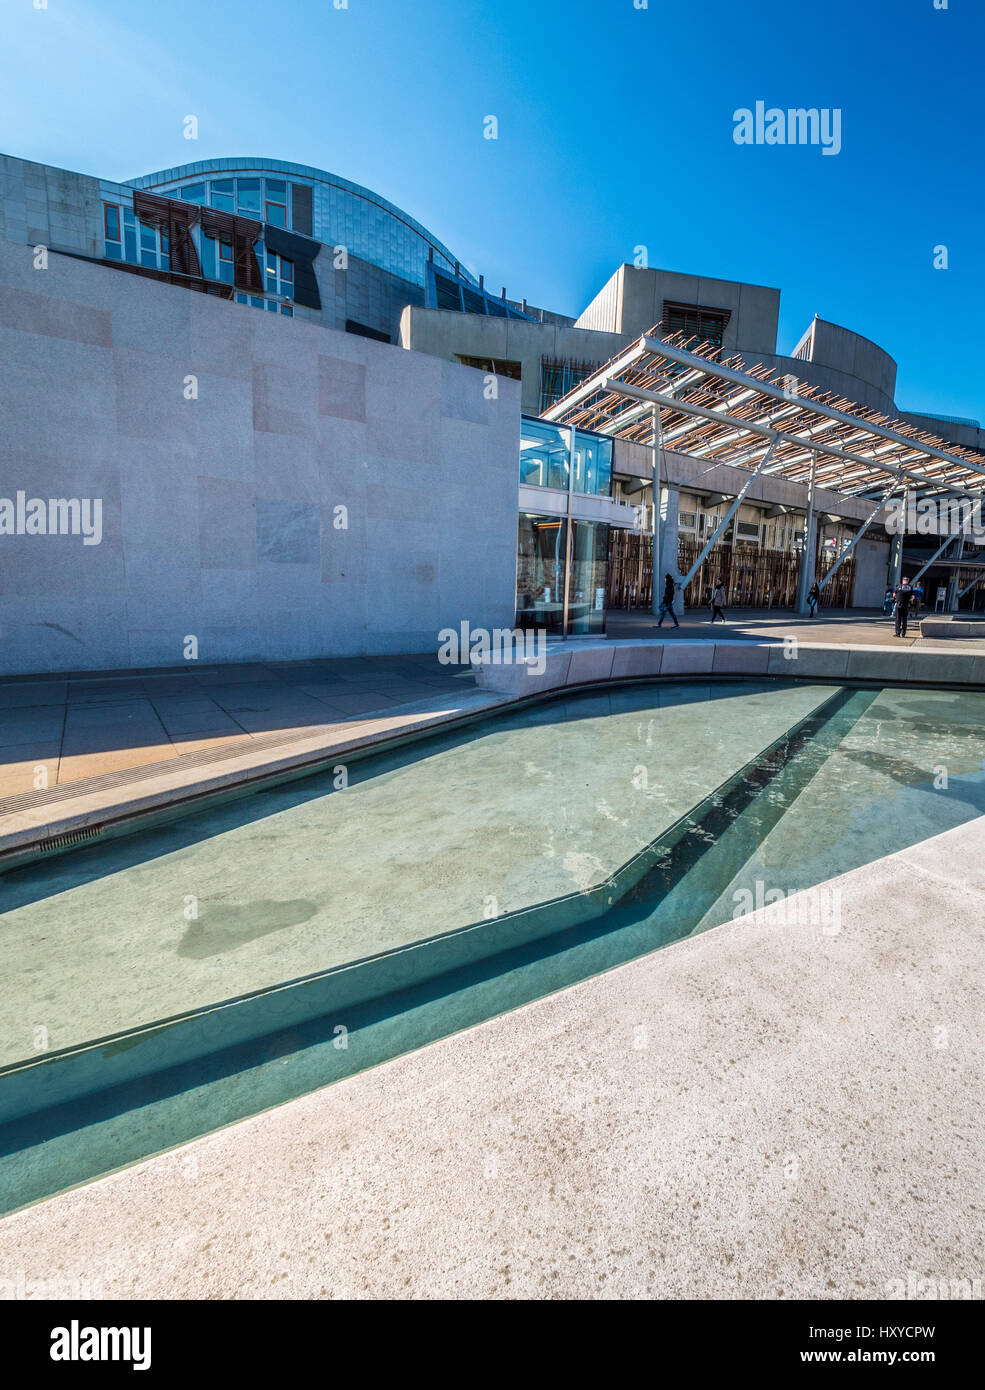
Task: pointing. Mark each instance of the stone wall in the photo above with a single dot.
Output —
(221, 440)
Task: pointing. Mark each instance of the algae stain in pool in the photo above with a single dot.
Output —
(224, 927)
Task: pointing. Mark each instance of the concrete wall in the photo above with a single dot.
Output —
(854, 355)
(632, 302)
(44, 206)
(871, 568)
(445, 333)
(218, 512)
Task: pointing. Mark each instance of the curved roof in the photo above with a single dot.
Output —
(253, 164)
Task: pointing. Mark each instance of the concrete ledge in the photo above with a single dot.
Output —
(942, 625)
(55, 817)
(577, 663)
(688, 658)
(644, 660)
(741, 658)
(824, 663)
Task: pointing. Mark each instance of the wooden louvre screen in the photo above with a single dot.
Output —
(753, 578)
(175, 221)
(242, 233)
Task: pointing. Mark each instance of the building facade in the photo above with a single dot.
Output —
(303, 418)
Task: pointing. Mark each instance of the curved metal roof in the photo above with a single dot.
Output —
(249, 164)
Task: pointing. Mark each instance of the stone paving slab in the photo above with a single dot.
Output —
(763, 1111)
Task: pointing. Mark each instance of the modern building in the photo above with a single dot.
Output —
(339, 470)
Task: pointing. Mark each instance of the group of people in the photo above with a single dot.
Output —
(716, 602)
(903, 601)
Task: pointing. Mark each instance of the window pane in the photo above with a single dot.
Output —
(286, 309)
(286, 269)
(111, 214)
(541, 553)
(543, 454)
(277, 214)
(209, 257)
(148, 238)
(277, 188)
(112, 251)
(194, 193)
(589, 564)
(248, 194)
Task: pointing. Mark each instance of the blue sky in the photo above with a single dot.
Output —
(615, 130)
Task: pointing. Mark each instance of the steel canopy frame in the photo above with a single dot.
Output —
(709, 543)
(736, 417)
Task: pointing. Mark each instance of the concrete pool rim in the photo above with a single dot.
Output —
(40, 825)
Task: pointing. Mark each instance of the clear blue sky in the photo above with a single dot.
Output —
(615, 129)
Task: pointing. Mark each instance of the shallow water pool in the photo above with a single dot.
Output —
(193, 973)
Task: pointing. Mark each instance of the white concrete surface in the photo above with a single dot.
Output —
(762, 1111)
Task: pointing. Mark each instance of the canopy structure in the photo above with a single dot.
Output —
(699, 403)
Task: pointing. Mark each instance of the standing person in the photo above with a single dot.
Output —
(667, 602)
(813, 598)
(902, 598)
(887, 603)
(917, 592)
(718, 602)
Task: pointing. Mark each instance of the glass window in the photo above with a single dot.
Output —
(194, 193)
(226, 267)
(543, 454)
(248, 195)
(209, 257)
(111, 219)
(224, 194)
(276, 214)
(287, 270)
(589, 566)
(277, 188)
(593, 464)
(541, 552)
(447, 292)
(287, 309)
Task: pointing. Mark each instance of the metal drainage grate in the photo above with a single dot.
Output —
(71, 837)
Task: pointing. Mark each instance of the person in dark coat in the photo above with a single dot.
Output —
(667, 602)
(902, 599)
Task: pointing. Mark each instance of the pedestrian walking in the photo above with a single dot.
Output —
(667, 602)
(813, 598)
(718, 602)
